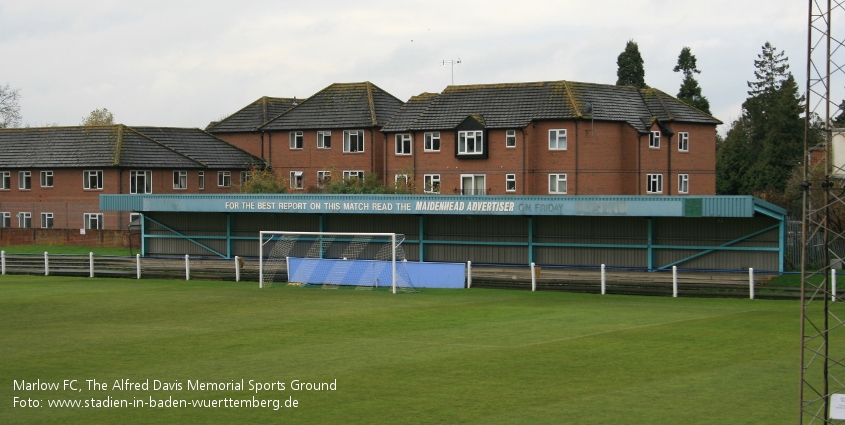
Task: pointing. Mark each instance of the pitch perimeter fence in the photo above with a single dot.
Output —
(599, 279)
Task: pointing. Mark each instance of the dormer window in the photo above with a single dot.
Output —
(470, 142)
(654, 140)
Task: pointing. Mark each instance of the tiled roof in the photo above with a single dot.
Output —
(518, 104)
(200, 146)
(117, 146)
(254, 115)
(340, 105)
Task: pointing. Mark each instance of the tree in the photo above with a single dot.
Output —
(10, 109)
(838, 116)
(98, 117)
(263, 180)
(690, 91)
(732, 160)
(771, 71)
(766, 143)
(630, 70)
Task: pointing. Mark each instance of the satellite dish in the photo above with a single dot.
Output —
(588, 108)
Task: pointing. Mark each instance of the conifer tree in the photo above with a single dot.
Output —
(630, 71)
(690, 91)
(766, 143)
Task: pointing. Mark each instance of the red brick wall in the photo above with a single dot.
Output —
(91, 238)
(602, 158)
(68, 201)
(310, 159)
(250, 142)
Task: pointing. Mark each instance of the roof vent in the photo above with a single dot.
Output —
(294, 101)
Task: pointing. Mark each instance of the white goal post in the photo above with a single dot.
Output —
(333, 259)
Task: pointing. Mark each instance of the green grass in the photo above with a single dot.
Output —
(66, 249)
(439, 356)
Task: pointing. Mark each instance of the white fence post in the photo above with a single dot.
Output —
(533, 279)
(46, 264)
(90, 264)
(3, 262)
(675, 281)
(237, 269)
(833, 284)
(751, 283)
(603, 280)
(469, 274)
(187, 268)
(138, 266)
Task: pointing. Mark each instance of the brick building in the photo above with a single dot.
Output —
(553, 138)
(335, 131)
(558, 138)
(52, 177)
(242, 129)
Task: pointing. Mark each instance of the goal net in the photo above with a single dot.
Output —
(364, 260)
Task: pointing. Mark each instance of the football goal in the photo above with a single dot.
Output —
(365, 260)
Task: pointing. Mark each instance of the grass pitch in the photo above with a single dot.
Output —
(439, 356)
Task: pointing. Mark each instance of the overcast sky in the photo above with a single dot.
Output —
(185, 63)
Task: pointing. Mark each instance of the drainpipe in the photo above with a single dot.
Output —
(576, 157)
(524, 177)
(669, 167)
(639, 165)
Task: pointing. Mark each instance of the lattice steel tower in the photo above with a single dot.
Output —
(823, 219)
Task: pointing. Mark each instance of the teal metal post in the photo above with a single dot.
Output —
(143, 235)
(422, 238)
(650, 243)
(229, 242)
(783, 236)
(530, 239)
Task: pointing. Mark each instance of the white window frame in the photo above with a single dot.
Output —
(347, 141)
(297, 140)
(683, 183)
(245, 176)
(46, 220)
(224, 179)
(654, 183)
(510, 138)
(555, 183)
(322, 138)
(358, 174)
(133, 216)
(475, 178)
(296, 180)
(88, 218)
(180, 179)
(404, 177)
(477, 137)
(201, 180)
(46, 178)
(134, 178)
(510, 182)
(5, 219)
(558, 140)
(323, 178)
(654, 140)
(683, 141)
(5, 180)
(97, 175)
(24, 180)
(403, 144)
(431, 183)
(431, 141)
(25, 220)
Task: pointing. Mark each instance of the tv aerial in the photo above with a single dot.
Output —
(452, 63)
